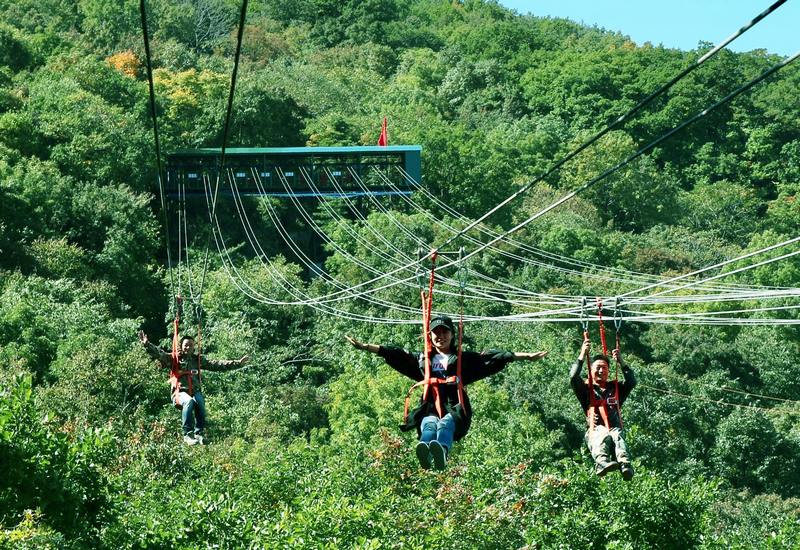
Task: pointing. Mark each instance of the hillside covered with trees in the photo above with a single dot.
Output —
(304, 448)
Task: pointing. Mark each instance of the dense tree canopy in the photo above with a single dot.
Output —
(305, 451)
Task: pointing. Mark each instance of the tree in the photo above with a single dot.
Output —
(725, 209)
(749, 452)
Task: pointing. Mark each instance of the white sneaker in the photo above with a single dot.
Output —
(199, 439)
(189, 440)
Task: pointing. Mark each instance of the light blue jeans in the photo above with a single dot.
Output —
(192, 407)
(439, 429)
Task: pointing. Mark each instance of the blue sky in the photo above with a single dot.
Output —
(680, 23)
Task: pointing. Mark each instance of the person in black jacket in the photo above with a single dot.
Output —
(604, 435)
(442, 417)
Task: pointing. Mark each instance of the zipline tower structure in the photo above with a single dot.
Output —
(275, 167)
(291, 174)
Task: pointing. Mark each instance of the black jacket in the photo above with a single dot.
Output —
(474, 367)
(581, 389)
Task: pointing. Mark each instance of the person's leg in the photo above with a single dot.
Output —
(623, 457)
(200, 415)
(599, 443)
(187, 416)
(445, 429)
(428, 428)
(427, 434)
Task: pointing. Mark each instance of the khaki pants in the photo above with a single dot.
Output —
(607, 445)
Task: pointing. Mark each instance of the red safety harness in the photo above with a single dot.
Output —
(175, 372)
(431, 384)
(601, 404)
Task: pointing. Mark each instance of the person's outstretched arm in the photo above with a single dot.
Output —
(525, 356)
(372, 348)
(477, 366)
(220, 365)
(154, 351)
(399, 359)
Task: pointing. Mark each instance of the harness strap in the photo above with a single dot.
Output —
(434, 384)
(175, 370)
(590, 381)
(176, 373)
(601, 406)
(462, 284)
(427, 306)
(199, 348)
(602, 328)
(617, 327)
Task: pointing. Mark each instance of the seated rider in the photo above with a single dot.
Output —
(604, 435)
(187, 392)
(440, 418)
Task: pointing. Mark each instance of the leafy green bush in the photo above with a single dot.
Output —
(55, 469)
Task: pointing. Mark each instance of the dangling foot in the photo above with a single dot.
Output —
(189, 440)
(424, 455)
(626, 470)
(200, 439)
(439, 454)
(602, 468)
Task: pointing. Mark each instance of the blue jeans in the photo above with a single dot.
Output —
(439, 429)
(192, 407)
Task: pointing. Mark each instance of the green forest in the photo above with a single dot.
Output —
(304, 449)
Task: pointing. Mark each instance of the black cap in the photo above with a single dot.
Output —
(442, 321)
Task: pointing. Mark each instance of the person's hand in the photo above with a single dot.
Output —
(536, 356)
(584, 349)
(244, 359)
(355, 343)
(616, 355)
(143, 337)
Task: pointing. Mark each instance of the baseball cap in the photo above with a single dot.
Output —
(442, 321)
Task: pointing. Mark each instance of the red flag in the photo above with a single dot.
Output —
(384, 139)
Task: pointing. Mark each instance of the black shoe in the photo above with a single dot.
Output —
(603, 468)
(627, 471)
(439, 454)
(424, 455)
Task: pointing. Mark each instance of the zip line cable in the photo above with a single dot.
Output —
(695, 318)
(297, 293)
(229, 110)
(632, 276)
(193, 296)
(721, 264)
(619, 121)
(643, 150)
(479, 293)
(153, 115)
(765, 410)
(336, 296)
(729, 389)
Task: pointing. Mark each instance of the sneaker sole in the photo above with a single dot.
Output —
(609, 468)
(437, 452)
(423, 455)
